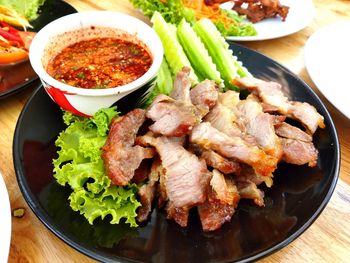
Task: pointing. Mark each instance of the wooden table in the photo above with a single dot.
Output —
(327, 240)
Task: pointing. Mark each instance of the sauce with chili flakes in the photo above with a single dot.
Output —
(100, 63)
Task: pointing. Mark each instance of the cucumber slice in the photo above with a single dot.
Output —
(218, 49)
(164, 78)
(173, 51)
(197, 53)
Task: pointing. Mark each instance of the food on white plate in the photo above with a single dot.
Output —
(257, 10)
(228, 22)
(14, 44)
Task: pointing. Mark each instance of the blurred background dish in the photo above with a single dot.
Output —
(18, 76)
(5, 222)
(327, 59)
(301, 13)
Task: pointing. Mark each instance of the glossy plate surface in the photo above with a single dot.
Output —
(21, 75)
(327, 59)
(5, 222)
(300, 15)
(298, 196)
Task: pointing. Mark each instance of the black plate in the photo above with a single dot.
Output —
(51, 10)
(298, 195)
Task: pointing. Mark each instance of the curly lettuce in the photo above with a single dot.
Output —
(28, 8)
(228, 22)
(79, 165)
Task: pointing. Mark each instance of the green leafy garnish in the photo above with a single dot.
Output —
(79, 165)
(27, 8)
(229, 22)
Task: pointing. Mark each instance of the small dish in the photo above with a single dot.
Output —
(25, 75)
(82, 101)
(300, 15)
(326, 58)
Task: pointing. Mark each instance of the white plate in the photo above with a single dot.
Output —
(327, 57)
(5, 222)
(301, 13)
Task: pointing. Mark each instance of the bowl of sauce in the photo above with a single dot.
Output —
(90, 60)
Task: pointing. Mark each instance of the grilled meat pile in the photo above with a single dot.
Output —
(257, 10)
(208, 149)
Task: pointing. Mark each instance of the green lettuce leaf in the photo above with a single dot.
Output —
(238, 27)
(116, 201)
(27, 8)
(79, 165)
(173, 11)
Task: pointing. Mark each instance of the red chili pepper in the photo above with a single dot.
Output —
(11, 34)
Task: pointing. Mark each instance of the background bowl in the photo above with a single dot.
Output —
(297, 198)
(87, 101)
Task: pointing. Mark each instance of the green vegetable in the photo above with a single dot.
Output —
(27, 8)
(173, 51)
(101, 233)
(81, 75)
(172, 10)
(197, 53)
(80, 166)
(238, 26)
(164, 84)
(218, 49)
(164, 78)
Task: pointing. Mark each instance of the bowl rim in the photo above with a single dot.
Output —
(152, 36)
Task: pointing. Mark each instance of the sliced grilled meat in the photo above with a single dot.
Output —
(120, 157)
(233, 147)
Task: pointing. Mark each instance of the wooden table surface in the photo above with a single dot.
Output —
(327, 240)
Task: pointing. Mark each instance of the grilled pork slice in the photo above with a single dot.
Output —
(268, 91)
(249, 190)
(224, 117)
(178, 214)
(299, 152)
(120, 157)
(205, 94)
(260, 125)
(247, 173)
(219, 162)
(147, 191)
(186, 176)
(182, 86)
(162, 195)
(307, 115)
(297, 145)
(288, 131)
(214, 215)
(223, 189)
(271, 93)
(222, 200)
(172, 118)
(233, 147)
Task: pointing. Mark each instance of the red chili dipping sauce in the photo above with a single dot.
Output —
(100, 63)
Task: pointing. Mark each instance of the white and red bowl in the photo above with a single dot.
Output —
(86, 102)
